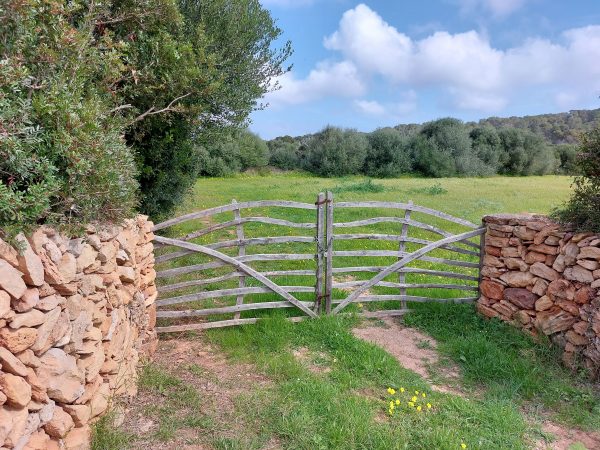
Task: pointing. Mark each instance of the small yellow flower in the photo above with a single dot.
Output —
(416, 392)
(397, 401)
(360, 305)
(401, 389)
(463, 445)
(391, 391)
(419, 408)
(392, 404)
(413, 399)
(391, 412)
(411, 404)
(423, 395)
(428, 405)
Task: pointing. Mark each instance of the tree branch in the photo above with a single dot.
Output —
(152, 111)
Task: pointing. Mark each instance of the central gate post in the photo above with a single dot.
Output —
(329, 271)
(401, 251)
(320, 240)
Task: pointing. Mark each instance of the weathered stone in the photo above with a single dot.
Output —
(559, 263)
(99, 402)
(560, 289)
(581, 236)
(533, 257)
(491, 261)
(86, 258)
(581, 327)
(552, 240)
(11, 364)
(44, 333)
(516, 264)
(589, 253)
(543, 303)
(492, 289)
(17, 421)
(576, 339)
(524, 233)
(543, 271)
(78, 438)
(30, 264)
(28, 358)
(11, 280)
(505, 308)
(10, 255)
(16, 389)
(517, 278)
(495, 241)
(520, 297)
(553, 321)
(571, 251)
(31, 318)
(126, 274)
(28, 300)
(5, 309)
(588, 264)
(60, 373)
(17, 340)
(79, 413)
(584, 295)
(509, 252)
(569, 306)
(38, 441)
(68, 267)
(544, 248)
(60, 424)
(522, 317)
(578, 273)
(540, 286)
(50, 302)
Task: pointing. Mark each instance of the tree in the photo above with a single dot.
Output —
(284, 153)
(388, 154)
(335, 152)
(582, 211)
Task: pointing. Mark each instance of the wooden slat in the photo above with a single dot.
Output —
(372, 253)
(227, 309)
(404, 261)
(219, 324)
(384, 313)
(218, 293)
(240, 266)
(226, 208)
(199, 282)
(404, 286)
(416, 270)
(396, 205)
(412, 298)
(402, 240)
(329, 253)
(411, 222)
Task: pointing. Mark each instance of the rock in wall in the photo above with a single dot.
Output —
(544, 279)
(76, 315)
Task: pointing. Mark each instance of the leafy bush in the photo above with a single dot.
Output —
(366, 186)
(388, 154)
(582, 211)
(335, 152)
(284, 153)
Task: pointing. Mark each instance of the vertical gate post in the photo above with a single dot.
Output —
(239, 229)
(481, 255)
(329, 261)
(320, 240)
(401, 250)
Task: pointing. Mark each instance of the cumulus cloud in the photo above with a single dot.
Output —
(499, 8)
(340, 79)
(406, 105)
(475, 74)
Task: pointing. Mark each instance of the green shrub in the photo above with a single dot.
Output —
(335, 152)
(388, 154)
(582, 211)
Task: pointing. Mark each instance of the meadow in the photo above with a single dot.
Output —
(509, 385)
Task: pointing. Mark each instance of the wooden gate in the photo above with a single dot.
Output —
(197, 260)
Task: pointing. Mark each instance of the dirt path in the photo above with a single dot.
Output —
(414, 350)
(218, 382)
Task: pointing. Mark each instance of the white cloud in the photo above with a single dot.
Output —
(326, 80)
(498, 8)
(475, 74)
(370, 107)
(406, 105)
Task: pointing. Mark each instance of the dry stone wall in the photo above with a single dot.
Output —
(76, 315)
(545, 280)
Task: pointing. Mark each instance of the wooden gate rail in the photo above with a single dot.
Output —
(325, 234)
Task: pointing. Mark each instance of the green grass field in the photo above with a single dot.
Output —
(513, 384)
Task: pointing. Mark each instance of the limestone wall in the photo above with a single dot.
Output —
(545, 279)
(75, 317)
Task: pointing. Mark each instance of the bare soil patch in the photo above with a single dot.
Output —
(218, 381)
(316, 362)
(564, 438)
(414, 350)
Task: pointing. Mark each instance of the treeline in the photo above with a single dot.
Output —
(441, 148)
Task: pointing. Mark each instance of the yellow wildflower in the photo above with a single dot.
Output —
(416, 392)
(428, 405)
(360, 305)
(391, 412)
(419, 408)
(414, 398)
(392, 404)
(391, 391)
(401, 389)
(423, 395)
(463, 445)
(397, 401)
(411, 404)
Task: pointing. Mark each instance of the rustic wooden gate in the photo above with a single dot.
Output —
(325, 286)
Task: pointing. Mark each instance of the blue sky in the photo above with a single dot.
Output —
(380, 63)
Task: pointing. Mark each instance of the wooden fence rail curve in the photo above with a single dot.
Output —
(322, 238)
